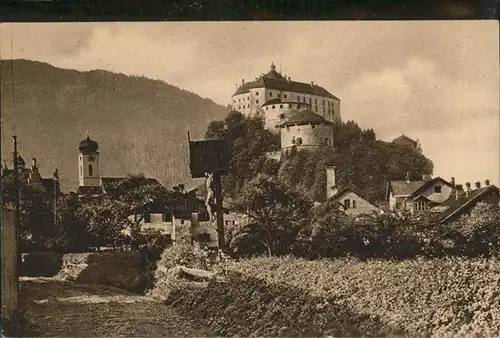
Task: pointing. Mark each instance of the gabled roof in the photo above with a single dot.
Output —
(404, 139)
(347, 189)
(457, 206)
(304, 116)
(429, 184)
(404, 188)
(274, 80)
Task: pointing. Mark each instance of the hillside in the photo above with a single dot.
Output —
(141, 124)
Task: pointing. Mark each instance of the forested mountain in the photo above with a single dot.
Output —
(141, 124)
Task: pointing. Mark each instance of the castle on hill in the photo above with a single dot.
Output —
(302, 113)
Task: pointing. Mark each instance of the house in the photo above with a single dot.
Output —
(461, 201)
(32, 177)
(417, 195)
(404, 140)
(347, 199)
(353, 203)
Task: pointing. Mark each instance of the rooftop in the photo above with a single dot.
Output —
(304, 116)
(275, 80)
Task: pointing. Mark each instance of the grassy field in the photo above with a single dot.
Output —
(288, 296)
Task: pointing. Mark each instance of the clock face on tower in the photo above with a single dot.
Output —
(91, 158)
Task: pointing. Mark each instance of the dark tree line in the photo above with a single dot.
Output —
(362, 162)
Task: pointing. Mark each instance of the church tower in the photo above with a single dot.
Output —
(88, 163)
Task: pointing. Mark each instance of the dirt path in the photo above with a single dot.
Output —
(65, 309)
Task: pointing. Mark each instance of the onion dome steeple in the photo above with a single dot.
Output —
(88, 145)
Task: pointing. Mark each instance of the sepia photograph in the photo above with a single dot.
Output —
(250, 179)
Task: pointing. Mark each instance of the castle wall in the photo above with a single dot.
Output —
(250, 103)
(312, 136)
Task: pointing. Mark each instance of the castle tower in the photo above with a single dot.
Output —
(88, 163)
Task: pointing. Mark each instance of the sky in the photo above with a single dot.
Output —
(435, 81)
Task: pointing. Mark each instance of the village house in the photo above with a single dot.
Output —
(461, 202)
(347, 199)
(417, 195)
(32, 177)
(404, 140)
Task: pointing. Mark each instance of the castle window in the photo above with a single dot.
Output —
(437, 189)
(316, 101)
(239, 100)
(282, 116)
(316, 108)
(257, 101)
(299, 140)
(281, 106)
(289, 106)
(310, 100)
(273, 107)
(327, 141)
(147, 217)
(256, 93)
(285, 96)
(81, 170)
(270, 94)
(354, 204)
(278, 94)
(313, 126)
(234, 101)
(267, 108)
(90, 169)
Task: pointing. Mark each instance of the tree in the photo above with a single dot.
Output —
(135, 192)
(107, 221)
(248, 141)
(35, 209)
(276, 213)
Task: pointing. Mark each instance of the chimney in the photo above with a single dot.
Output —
(242, 81)
(56, 174)
(289, 79)
(487, 183)
(312, 84)
(407, 177)
(33, 164)
(458, 189)
(468, 189)
(452, 181)
(478, 185)
(331, 184)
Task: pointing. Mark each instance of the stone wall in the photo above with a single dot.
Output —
(126, 270)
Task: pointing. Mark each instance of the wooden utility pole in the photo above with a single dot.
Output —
(219, 210)
(56, 189)
(10, 281)
(17, 212)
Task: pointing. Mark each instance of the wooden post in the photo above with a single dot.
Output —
(219, 210)
(10, 281)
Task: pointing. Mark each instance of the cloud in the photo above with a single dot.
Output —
(417, 96)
